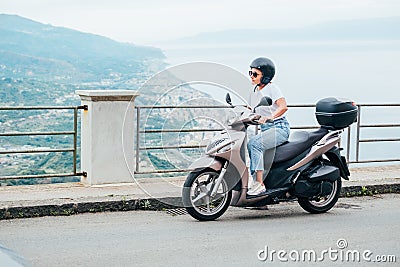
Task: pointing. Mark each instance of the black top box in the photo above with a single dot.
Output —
(335, 113)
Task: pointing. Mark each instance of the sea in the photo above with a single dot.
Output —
(365, 72)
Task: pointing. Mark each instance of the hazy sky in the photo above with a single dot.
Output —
(146, 22)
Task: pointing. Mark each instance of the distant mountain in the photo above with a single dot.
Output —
(347, 30)
(33, 49)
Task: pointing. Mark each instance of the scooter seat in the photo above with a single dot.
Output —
(298, 143)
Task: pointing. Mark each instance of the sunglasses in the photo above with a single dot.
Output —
(253, 73)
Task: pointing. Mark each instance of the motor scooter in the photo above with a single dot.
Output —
(308, 167)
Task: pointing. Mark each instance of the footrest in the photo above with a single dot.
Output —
(259, 195)
(269, 192)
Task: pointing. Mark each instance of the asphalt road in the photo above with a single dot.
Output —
(367, 227)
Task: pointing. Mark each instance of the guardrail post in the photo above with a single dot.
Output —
(107, 136)
(358, 133)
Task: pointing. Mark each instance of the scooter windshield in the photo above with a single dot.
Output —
(240, 115)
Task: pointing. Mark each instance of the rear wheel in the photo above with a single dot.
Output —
(324, 203)
(196, 195)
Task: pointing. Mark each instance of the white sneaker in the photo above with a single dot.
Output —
(256, 189)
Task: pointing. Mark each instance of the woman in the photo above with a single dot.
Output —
(274, 126)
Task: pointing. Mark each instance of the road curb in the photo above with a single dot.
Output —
(152, 203)
(369, 190)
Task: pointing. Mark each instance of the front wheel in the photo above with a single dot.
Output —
(324, 203)
(197, 197)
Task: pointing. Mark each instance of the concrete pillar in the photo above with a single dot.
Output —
(107, 136)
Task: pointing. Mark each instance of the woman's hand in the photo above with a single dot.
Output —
(264, 119)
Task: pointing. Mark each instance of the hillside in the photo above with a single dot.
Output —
(43, 65)
(29, 48)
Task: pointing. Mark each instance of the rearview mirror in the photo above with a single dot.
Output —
(228, 99)
(265, 101)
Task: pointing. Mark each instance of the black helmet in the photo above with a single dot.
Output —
(266, 66)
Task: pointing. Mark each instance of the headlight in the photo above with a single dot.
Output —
(214, 144)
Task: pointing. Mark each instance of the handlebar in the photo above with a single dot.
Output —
(245, 115)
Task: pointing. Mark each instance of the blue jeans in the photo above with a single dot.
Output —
(272, 135)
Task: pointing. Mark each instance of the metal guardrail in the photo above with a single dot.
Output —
(358, 140)
(359, 126)
(139, 131)
(73, 150)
